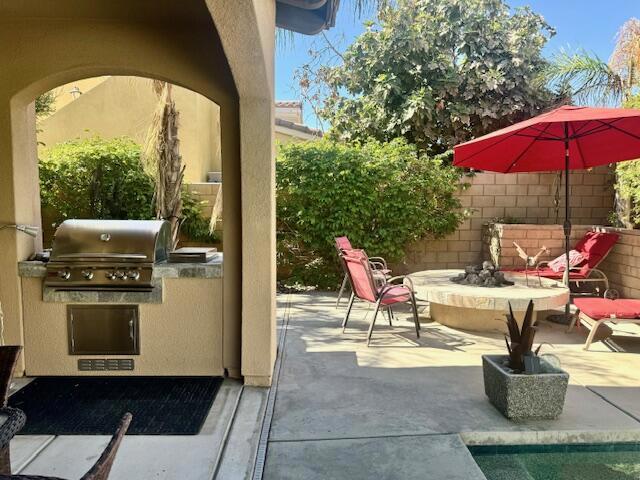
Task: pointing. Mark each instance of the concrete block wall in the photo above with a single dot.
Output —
(622, 266)
(525, 197)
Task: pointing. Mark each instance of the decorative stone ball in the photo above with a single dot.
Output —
(499, 276)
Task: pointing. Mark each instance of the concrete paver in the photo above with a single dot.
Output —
(434, 457)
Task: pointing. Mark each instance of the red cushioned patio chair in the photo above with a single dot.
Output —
(378, 264)
(395, 290)
(593, 312)
(594, 247)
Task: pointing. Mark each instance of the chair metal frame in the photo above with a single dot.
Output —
(378, 264)
(600, 276)
(380, 293)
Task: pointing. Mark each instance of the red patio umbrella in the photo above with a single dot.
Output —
(567, 138)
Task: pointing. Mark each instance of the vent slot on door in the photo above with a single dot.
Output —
(104, 364)
(103, 329)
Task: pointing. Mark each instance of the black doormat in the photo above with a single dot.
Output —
(94, 405)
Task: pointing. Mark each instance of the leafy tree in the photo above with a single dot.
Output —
(44, 103)
(382, 195)
(438, 72)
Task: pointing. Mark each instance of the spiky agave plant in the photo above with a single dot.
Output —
(520, 340)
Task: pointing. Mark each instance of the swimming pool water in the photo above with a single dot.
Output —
(559, 462)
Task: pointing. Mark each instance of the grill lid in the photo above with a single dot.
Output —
(144, 241)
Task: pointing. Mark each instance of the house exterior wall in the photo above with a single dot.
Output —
(524, 197)
(63, 95)
(124, 106)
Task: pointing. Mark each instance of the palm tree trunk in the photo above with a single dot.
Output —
(164, 162)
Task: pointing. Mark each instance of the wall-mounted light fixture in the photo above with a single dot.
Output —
(75, 92)
(30, 230)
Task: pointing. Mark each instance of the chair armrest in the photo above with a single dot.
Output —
(401, 279)
(379, 260)
(377, 265)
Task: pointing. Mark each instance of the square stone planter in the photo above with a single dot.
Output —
(524, 396)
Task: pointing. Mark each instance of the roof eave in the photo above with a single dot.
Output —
(306, 17)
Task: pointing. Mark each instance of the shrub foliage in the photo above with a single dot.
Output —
(104, 179)
(381, 195)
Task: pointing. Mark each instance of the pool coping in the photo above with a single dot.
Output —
(549, 437)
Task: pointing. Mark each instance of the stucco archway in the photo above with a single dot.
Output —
(43, 46)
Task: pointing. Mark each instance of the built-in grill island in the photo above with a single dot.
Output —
(107, 254)
(108, 302)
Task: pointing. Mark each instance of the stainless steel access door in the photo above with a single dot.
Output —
(103, 329)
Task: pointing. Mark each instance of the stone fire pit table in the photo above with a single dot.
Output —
(470, 307)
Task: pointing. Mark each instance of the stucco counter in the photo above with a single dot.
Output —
(180, 322)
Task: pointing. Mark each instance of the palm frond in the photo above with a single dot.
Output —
(589, 79)
(625, 59)
(362, 8)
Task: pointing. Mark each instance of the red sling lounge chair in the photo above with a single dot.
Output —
(593, 312)
(395, 290)
(378, 264)
(594, 247)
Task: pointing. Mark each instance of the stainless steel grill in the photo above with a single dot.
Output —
(107, 254)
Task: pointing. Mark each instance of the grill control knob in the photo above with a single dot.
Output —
(133, 274)
(110, 275)
(87, 274)
(120, 275)
(64, 274)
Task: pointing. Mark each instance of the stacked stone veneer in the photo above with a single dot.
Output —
(527, 197)
(622, 265)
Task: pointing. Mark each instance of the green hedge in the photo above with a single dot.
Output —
(381, 195)
(100, 178)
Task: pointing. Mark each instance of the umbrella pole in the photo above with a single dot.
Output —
(567, 221)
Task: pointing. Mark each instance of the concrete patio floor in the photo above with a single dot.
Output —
(405, 408)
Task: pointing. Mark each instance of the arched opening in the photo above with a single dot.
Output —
(92, 135)
(166, 45)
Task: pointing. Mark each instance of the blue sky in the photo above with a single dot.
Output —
(588, 24)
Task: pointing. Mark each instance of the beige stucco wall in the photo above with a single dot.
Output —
(118, 106)
(181, 336)
(63, 95)
(251, 58)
